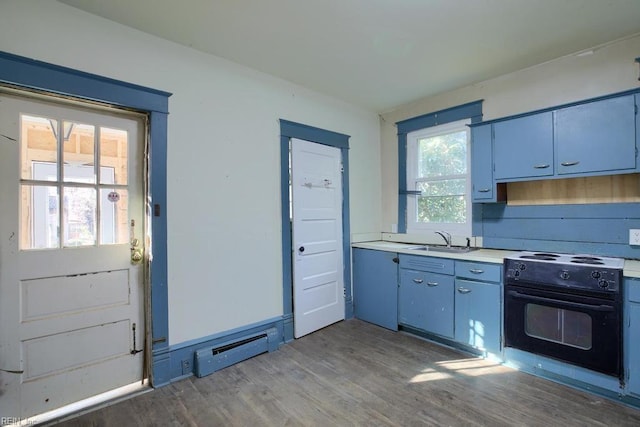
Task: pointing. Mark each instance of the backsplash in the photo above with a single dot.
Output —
(601, 229)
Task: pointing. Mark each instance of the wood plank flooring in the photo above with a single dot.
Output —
(355, 373)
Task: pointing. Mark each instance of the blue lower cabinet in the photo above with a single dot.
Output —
(375, 287)
(477, 315)
(633, 359)
(425, 301)
(632, 335)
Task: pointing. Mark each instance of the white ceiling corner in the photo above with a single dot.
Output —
(379, 54)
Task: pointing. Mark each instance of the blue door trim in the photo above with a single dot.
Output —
(26, 73)
(290, 130)
(38, 75)
(471, 110)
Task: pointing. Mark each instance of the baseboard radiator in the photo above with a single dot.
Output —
(211, 359)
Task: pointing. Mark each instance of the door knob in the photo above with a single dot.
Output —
(136, 256)
(301, 249)
(136, 251)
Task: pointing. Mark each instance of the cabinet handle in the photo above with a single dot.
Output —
(570, 163)
(476, 271)
(484, 190)
(432, 284)
(541, 166)
(464, 290)
(417, 281)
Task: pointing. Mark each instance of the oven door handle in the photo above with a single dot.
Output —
(601, 307)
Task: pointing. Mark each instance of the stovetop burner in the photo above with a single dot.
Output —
(578, 259)
(576, 272)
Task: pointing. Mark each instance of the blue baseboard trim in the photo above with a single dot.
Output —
(348, 307)
(287, 320)
(595, 383)
(448, 342)
(177, 361)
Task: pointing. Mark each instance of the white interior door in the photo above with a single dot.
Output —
(318, 287)
(71, 298)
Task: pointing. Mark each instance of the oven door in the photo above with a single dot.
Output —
(580, 330)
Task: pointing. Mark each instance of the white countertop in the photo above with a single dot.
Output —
(631, 267)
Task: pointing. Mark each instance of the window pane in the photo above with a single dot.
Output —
(79, 216)
(442, 155)
(114, 216)
(441, 202)
(38, 144)
(79, 152)
(114, 156)
(39, 217)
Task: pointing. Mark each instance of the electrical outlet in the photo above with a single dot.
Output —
(186, 367)
(634, 236)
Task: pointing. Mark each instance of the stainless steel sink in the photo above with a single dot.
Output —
(443, 248)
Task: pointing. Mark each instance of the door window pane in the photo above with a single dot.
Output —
(79, 152)
(39, 213)
(557, 325)
(114, 155)
(79, 216)
(77, 210)
(114, 216)
(38, 144)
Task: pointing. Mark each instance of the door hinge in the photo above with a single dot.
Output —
(134, 350)
(344, 292)
(341, 168)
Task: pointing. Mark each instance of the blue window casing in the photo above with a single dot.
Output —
(472, 110)
(25, 73)
(290, 130)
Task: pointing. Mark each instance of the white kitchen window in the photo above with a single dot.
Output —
(438, 168)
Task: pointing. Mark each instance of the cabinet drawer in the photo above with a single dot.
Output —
(479, 271)
(426, 279)
(425, 263)
(633, 289)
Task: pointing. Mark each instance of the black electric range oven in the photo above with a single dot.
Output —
(568, 307)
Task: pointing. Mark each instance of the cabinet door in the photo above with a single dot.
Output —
(425, 301)
(375, 287)
(477, 315)
(482, 164)
(597, 136)
(633, 348)
(523, 147)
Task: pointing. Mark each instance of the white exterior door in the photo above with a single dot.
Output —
(318, 288)
(71, 296)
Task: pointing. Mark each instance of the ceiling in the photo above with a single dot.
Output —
(379, 54)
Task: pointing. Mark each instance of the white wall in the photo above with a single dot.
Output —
(224, 234)
(609, 69)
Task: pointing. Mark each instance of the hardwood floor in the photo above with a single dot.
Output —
(354, 373)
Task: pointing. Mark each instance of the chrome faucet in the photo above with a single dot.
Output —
(446, 236)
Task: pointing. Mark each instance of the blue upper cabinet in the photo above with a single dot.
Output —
(590, 138)
(596, 137)
(482, 164)
(523, 147)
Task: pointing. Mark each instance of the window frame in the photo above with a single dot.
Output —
(413, 226)
(471, 110)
